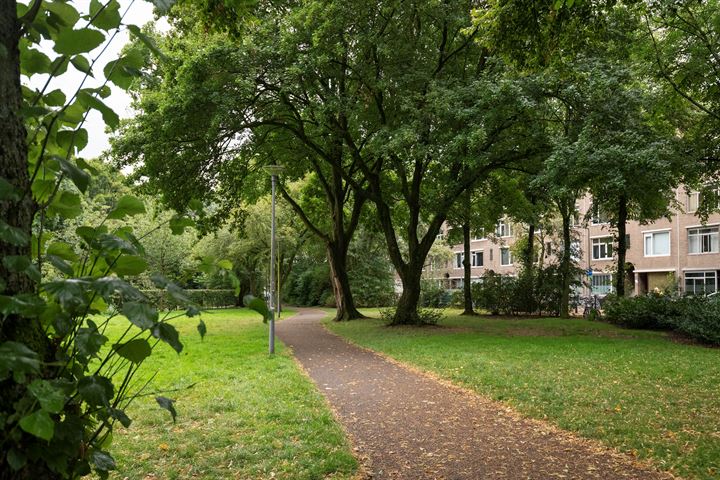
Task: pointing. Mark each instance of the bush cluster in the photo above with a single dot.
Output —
(695, 316)
(205, 298)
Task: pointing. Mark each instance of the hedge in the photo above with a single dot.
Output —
(205, 298)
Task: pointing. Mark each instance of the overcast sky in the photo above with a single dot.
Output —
(139, 12)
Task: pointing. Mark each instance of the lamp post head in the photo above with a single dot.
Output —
(273, 170)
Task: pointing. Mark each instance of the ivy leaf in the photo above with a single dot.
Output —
(60, 264)
(82, 64)
(130, 265)
(66, 204)
(109, 116)
(257, 304)
(96, 390)
(168, 334)
(147, 41)
(167, 404)
(13, 235)
(16, 459)
(89, 341)
(72, 42)
(8, 191)
(66, 13)
(33, 61)
(62, 250)
(108, 18)
(120, 416)
(140, 314)
(51, 399)
(202, 329)
(127, 206)
(18, 359)
(80, 178)
(16, 263)
(103, 461)
(135, 350)
(178, 224)
(39, 424)
(56, 98)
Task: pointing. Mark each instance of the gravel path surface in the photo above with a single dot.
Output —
(406, 425)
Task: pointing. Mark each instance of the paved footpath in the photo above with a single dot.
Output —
(406, 425)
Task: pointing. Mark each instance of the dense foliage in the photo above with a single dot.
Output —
(698, 317)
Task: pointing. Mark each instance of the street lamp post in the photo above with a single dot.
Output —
(273, 171)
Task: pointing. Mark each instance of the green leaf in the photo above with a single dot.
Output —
(82, 64)
(225, 264)
(135, 350)
(147, 41)
(89, 341)
(56, 98)
(17, 359)
(64, 11)
(202, 329)
(178, 225)
(96, 390)
(130, 265)
(62, 250)
(168, 334)
(33, 61)
(51, 399)
(140, 314)
(26, 304)
(102, 461)
(16, 263)
(66, 204)
(109, 116)
(39, 424)
(167, 404)
(80, 178)
(120, 416)
(108, 18)
(60, 264)
(109, 242)
(70, 293)
(8, 191)
(16, 459)
(13, 235)
(72, 42)
(257, 304)
(73, 114)
(127, 206)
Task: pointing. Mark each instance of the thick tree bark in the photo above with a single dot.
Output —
(344, 301)
(621, 246)
(17, 213)
(406, 312)
(467, 277)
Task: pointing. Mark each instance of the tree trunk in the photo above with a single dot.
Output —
(467, 291)
(565, 262)
(344, 302)
(17, 213)
(621, 246)
(406, 312)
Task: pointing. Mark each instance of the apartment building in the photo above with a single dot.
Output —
(682, 250)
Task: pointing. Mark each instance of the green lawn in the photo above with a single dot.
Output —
(635, 390)
(249, 415)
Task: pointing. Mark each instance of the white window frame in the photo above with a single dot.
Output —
(706, 274)
(651, 234)
(716, 234)
(474, 256)
(509, 257)
(693, 202)
(601, 242)
(459, 259)
(503, 229)
(596, 218)
(605, 288)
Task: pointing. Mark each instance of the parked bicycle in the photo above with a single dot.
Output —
(591, 306)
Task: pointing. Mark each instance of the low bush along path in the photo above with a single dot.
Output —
(406, 425)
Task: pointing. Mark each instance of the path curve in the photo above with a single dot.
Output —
(405, 425)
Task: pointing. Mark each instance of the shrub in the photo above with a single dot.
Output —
(696, 317)
(495, 293)
(205, 298)
(433, 295)
(427, 316)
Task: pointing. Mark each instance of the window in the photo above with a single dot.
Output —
(503, 229)
(477, 259)
(703, 240)
(602, 248)
(657, 244)
(481, 234)
(506, 256)
(601, 284)
(599, 216)
(459, 257)
(696, 199)
(700, 283)
(693, 202)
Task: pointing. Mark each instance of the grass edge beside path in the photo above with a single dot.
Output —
(635, 391)
(250, 415)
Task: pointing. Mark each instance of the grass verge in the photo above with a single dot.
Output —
(633, 390)
(249, 416)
